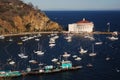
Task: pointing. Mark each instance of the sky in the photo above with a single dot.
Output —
(76, 4)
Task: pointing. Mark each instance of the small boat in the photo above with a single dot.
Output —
(52, 45)
(52, 40)
(98, 43)
(39, 52)
(68, 38)
(93, 53)
(112, 38)
(10, 39)
(115, 33)
(107, 58)
(89, 37)
(2, 37)
(54, 60)
(6, 74)
(78, 59)
(20, 43)
(89, 65)
(37, 39)
(33, 61)
(74, 56)
(39, 35)
(66, 54)
(82, 51)
(22, 53)
(12, 62)
(117, 70)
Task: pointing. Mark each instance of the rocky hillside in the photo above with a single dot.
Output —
(16, 16)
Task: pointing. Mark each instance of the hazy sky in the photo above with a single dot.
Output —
(76, 4)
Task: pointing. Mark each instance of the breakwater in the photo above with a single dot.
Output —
(50, 32)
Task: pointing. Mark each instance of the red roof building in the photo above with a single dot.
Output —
(81, 26)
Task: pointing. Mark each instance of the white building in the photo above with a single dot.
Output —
(81, 26)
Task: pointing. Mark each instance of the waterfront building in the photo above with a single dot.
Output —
(81, 26)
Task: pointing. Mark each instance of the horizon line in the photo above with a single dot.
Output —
(80, 10)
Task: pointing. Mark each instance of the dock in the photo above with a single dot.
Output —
(50, 32)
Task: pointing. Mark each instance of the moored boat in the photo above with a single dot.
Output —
(4, 74)
(82, 51)
(64, 65)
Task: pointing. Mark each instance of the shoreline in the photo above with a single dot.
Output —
(50, 32)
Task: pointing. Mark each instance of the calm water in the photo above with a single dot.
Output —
(101, 70)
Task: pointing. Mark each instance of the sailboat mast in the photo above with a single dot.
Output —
(92, 48)
(38, 45)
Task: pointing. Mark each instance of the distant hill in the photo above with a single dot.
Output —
(16, 16)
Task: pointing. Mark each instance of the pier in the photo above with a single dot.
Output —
(50, 32)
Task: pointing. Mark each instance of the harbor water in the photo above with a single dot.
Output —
(104, 66)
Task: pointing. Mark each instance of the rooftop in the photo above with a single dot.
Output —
(83, 21)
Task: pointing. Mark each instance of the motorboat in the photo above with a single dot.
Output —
(54, 60)
(78, 58)
(112, 38)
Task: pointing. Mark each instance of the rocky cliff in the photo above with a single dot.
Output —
(16, 16)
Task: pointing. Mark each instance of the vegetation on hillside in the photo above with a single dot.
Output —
(16, 17)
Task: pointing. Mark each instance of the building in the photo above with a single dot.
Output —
(81, 26)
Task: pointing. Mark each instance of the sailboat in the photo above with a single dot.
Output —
(99, 42)
(82, 51)
(22, 54)
(93, 53)
(39, 52)
(11, 62)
